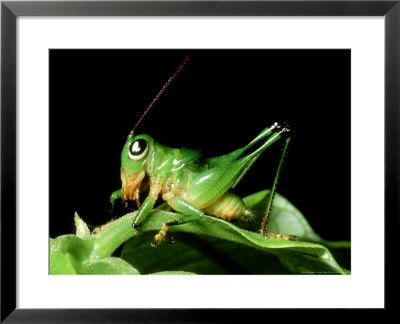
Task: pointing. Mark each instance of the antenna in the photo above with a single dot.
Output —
(180, 67)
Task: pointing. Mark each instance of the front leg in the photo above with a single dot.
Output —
(114, 196)
(147, 205)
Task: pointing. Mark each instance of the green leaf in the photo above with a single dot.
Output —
(286, 218)
(68, 253)
(304, 256)
(112, 266)
(182, 256)
(200, 255)
(207, 246)
(84, 253)
(313, 258)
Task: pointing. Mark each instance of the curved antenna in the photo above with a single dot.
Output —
(180, 67)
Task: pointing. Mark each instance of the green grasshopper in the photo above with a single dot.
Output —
(190, 184)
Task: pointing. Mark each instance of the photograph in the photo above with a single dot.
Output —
(243, 155)
(199, 161)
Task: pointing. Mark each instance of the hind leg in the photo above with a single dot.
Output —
(263, 229)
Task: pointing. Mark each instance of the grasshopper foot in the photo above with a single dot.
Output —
(161, 234)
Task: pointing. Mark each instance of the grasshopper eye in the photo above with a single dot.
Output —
(138, 149)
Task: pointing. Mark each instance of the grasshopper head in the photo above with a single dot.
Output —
(133, 160)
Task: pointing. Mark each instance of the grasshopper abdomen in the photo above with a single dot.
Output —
(229, 206)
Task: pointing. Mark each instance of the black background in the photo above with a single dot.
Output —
(220, 101)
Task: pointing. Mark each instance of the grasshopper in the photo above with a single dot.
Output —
(190, 184)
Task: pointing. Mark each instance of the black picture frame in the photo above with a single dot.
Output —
(10, 10)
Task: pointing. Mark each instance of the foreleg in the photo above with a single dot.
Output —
(114, 196)
(147, 205)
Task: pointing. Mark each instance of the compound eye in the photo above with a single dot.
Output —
(138, 149)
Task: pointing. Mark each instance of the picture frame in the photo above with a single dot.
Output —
(10, 10)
